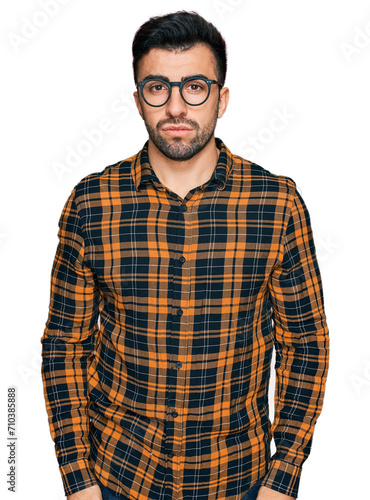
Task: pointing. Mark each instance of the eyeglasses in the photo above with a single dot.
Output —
(194, 91)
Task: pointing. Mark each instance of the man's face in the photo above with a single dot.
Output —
(178, 130)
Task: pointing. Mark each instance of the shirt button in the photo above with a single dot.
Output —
(183, 208)
(174, 414)
(180, 312)
(178, 365)
(170, 455)
(182, 259)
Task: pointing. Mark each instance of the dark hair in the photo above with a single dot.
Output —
(179, 31)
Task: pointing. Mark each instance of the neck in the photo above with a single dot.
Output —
(182, 176)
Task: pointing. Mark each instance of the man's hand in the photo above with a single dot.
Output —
(269, 494)
(92, 493)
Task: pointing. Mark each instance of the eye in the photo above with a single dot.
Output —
(157, 87)
(195, 86)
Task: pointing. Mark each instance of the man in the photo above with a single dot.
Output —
(177, 272)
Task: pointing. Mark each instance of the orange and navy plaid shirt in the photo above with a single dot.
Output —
(164, 315)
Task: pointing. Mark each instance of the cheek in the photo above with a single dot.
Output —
(212, 115)
(150, 117)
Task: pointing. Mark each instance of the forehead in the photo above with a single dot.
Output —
(176, 64)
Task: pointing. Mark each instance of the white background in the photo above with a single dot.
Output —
(68, 71)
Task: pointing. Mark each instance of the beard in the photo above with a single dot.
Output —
(177, 149)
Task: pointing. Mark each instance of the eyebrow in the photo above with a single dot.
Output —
(166, 79)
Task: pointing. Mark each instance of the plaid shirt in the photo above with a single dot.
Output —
(164, 314)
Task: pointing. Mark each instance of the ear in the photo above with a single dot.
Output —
(224, 101)
(138, 104)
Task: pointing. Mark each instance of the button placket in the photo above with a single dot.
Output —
(174, 392)
(179, 311)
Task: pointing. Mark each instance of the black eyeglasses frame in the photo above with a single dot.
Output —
(209, 82)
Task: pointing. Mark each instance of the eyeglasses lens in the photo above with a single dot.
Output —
(194, 92)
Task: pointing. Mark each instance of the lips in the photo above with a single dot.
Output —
(176, 131)
(176, 128)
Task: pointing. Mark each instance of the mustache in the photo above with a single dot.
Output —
(178, 121)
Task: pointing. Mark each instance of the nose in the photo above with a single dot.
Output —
(176, 105)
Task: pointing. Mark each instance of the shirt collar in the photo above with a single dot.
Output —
(142, 172)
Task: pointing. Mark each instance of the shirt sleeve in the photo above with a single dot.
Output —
(67, 347)
(302, 351)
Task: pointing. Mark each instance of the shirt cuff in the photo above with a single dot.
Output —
(77, 476)
(283, 477)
